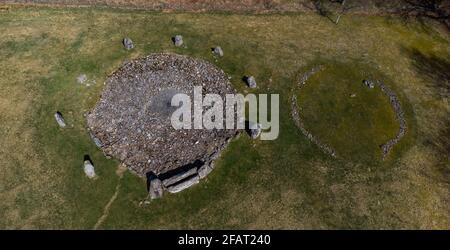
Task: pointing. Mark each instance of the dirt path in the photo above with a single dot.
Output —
(120, 171)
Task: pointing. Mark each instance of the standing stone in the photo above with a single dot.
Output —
(127, 43)
(218, 51)
(97, 142)
(176, 178)
(178, 40)
(89, 169)
(183, 185)
(204, 170)
(251, 82)
(155, 189)
(254, 130)
(60, 119)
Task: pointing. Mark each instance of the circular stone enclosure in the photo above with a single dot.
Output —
(338, 109)
(132, 120)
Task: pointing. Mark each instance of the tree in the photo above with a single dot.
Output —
(435, 9)
(334, 9)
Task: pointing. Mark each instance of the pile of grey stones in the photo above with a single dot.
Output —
(131, 122)
(399, 115)
(369, 83)
(295, 113)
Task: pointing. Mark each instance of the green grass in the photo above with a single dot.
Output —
(343, 113)
(286, 183)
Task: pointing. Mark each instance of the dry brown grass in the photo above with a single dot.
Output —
(288, 184)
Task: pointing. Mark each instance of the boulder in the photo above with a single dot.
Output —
(251, 82)
(178, 177)
(218, 51)
(127, 43)
(178, 40)
(60, 119)
(184, 184)
(89, 169)
(155, 189)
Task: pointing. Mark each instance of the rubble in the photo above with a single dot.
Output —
(81, 79)
(295, 114)
(369, 83)
(310, 73)
(399, 115)
(299, 123)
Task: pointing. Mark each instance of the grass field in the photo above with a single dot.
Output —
(343, 113)
(286, 183)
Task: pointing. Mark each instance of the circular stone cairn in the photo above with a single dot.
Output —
(132, 119)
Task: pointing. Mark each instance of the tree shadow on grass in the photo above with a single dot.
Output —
(436, 73)
(322, 10)
(433, 69)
